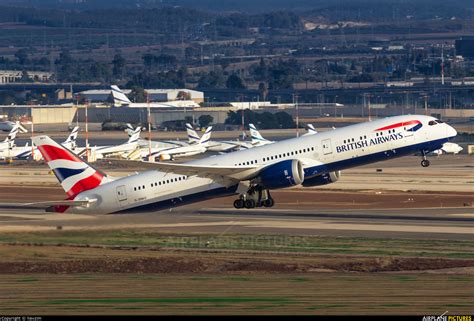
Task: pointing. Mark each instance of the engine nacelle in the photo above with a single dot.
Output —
(286, 173)
(323, 179)
(165, 157)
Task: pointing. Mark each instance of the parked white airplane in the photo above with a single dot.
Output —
(217, 146)
(257, 139)
(9, 141)
(311, 161)
(122, 149)
(310, 130)
(176, 152)
(120, 99)
(26, 151)
(143, 143)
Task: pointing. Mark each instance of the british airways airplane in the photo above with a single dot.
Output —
(311, 160)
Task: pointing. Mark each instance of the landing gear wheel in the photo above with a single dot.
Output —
(425, 163)
(269, 202)
(249, 203)
(239, 203)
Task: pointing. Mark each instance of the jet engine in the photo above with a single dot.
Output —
(323, 179)
(286, 173)
(165, 157)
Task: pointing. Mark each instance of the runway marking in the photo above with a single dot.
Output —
(276, 224)
(364, 227)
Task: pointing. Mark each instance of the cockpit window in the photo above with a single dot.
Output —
(432, 122)
(440, 121)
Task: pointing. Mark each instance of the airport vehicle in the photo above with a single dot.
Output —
(312, 160)
(120, 99)
(217, 146)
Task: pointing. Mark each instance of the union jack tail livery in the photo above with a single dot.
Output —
(75, 175)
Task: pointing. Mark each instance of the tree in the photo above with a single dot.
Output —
(100, 71)
(183, 95)
(284, 120)
(65, 65)
(205, 120)
(119, 64)
(22, 56)
(234, 82)
(138, 95)
(214, 79)
(262, 88)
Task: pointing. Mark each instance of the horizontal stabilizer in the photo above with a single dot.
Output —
(47, 204)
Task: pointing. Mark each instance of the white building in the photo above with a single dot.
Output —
(9, 76)
(156, 95)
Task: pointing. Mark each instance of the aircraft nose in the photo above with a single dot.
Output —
(451, 132)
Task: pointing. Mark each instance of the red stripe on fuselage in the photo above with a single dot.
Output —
(51, 153)
(85, 184)
(406, 123)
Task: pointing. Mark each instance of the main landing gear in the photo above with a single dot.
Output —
(424, 162)
(256, 196)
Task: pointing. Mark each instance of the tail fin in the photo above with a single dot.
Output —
(129, 130)
(74, 174)
(70, 142)
(134, 136)
(10, 139)
(310, 130)
(119, 97)
(206, 137)
(255, 134)
(193, 137)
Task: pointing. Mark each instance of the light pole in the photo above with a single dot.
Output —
(149, 125)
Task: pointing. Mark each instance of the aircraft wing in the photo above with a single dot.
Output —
(232, 172)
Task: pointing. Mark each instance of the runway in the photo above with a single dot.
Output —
(439, 223)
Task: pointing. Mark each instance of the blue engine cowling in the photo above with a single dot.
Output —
(283, 174)
(323, 179)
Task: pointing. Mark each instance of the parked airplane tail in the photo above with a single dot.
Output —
(70, 142)
(129, 130)
(193, 137)
(119, 96)
(74, 174)
(135, 135)
(10, 139)
(255, 134)
(310, 130)
(206, 137)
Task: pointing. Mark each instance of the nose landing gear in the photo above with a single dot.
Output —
(424, 162)
(256, 196)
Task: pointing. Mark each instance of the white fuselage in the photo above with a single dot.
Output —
(321, 153)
